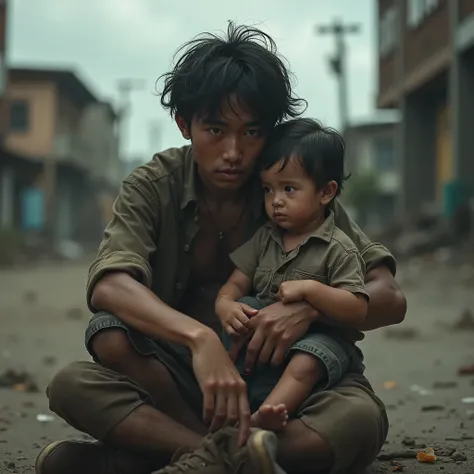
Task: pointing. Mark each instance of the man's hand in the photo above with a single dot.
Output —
(292, 291)
(224, 390)
(234, 316)
(275, 328)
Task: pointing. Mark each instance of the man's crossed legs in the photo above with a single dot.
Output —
(142, 401)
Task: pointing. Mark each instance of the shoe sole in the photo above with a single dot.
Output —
(43, 455)
(262, 447)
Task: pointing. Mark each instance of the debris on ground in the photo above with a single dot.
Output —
(468, 400)
(44, 418)
(390, 385)
(392, 455)
(465, 322)
(19, 381)
(442, 385)
(433, 408)
(402, 334)
(30, 296)
(466, 369)
(420, 390)
(428, 456)
(50, 360)
(75, 313)
(458, 457)
(396, 466)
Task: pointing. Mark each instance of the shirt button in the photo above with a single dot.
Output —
(196, 219)
(187, 247)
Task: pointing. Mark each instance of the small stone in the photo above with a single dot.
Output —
(458, 457)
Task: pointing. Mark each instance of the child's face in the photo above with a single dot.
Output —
(292, 199)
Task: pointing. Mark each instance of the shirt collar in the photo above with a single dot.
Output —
(324, 232)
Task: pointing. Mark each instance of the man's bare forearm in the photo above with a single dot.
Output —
(387, 304)
(138, 307)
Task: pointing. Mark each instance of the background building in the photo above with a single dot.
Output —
(60, 160)
(426, 69)
(373, 161)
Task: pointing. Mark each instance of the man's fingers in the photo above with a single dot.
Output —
(220, 412)
(253, 350)
(208, 406)
(266, 352)
(232, 409)
(235, 348)
(279, 354)
(244, 418)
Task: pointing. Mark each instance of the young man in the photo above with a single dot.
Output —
(161, 377)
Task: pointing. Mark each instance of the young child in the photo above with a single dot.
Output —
(301, 255)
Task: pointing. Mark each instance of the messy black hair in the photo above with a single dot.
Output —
(320, 150)
(244, 64)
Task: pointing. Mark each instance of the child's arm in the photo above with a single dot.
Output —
(234, 315)
(340, 305)
(237, 286)
(344, 299)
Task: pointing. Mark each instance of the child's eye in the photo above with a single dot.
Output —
(266, 189)
(289, 189)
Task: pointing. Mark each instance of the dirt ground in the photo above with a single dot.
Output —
(414, 367)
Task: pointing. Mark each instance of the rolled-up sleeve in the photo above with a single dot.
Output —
(130, 237)
(373, 253)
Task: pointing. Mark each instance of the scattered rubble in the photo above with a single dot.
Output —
(443, 385)
(403, 334)
(465, 322)
(457, 456)
(466, 370)
(75, 313)
(19, 381)
(428, 456)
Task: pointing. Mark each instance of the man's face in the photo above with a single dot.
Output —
(225, 147)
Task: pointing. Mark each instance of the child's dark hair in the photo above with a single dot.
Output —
(320, 150)
(244, 63)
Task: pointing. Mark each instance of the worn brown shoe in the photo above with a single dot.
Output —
(220, 454)
(77, 457)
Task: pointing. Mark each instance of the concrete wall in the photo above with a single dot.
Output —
(37, 141)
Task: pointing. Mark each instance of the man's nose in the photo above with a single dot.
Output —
(232, 151)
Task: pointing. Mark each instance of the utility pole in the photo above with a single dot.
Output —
(338, 62)
(155, 136)
(125, 88)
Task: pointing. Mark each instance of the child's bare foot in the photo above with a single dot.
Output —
(270, 417)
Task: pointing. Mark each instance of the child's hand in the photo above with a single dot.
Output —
(233, 316)
(292, 291)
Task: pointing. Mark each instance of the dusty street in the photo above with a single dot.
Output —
(414, 367)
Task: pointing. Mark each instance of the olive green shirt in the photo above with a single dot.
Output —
(156, 217)
(328, 255)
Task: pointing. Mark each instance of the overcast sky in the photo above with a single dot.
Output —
(104, 40)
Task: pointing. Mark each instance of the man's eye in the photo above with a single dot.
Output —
(215, 131)
(253, 132)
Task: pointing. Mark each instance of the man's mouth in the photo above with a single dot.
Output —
(230, 174)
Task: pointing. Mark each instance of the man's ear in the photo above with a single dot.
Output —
(183, 127)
